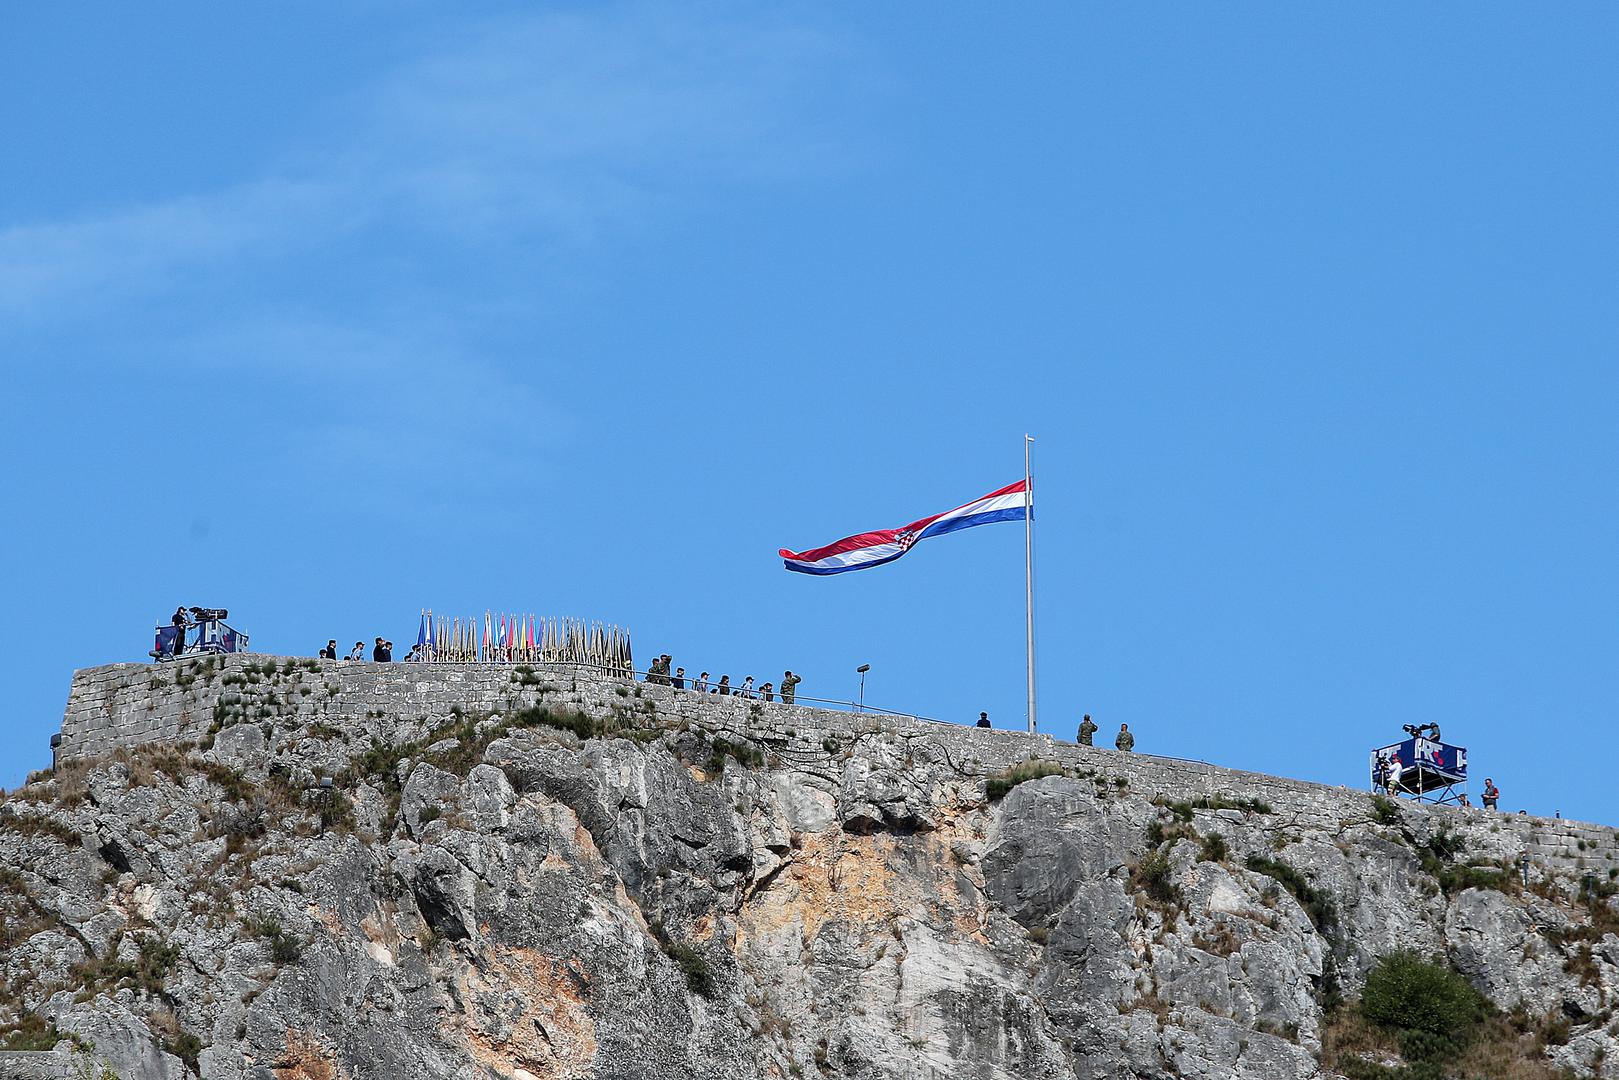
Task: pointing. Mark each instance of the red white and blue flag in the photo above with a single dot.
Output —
(1010, 503)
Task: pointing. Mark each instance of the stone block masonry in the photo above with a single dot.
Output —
(127, 705)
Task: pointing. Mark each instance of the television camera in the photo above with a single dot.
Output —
(212, 636)
(1421, 767)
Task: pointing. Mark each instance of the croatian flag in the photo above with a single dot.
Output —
(885, 545)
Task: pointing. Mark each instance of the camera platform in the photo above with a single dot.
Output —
(209, 636)
(1424, 770)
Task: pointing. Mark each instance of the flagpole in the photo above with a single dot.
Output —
(1028, 567)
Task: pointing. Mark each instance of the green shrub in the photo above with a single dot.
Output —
(1455, 879)
(285, 948)
(1385, 811)
(540, 716)
(1157, 835)
(337, 812)
(148, 972)
(429, 813)
(1317, 905)
(744, 753)
(1436, 858)
(699, 977)
(1214, 849)
(30, 1032)
(1183, 810)
(185, 1046)
(1151, 876)
(1033, 769)
(1446, 846)
(1431, 1010)
(40, 825)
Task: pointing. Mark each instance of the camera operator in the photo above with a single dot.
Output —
(180, 623)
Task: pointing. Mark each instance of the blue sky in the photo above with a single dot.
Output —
(327, 313)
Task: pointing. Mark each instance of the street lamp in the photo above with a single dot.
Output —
(862, 669)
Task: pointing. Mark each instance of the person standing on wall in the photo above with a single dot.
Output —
(1087, 731)
(180, 621)
(983, 720)
(789, 687)
(1125, 741)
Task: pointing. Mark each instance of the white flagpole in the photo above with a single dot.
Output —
(1028, 567)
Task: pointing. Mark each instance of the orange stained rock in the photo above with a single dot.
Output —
(553, 1035)
(304, 1059)
(853, 877)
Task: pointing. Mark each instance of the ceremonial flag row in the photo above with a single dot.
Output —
(514, 639)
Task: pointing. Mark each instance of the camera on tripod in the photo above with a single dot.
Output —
(209, 614)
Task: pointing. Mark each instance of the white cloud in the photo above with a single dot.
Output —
(530, 140)
(557, 126)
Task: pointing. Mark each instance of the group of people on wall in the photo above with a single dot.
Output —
(659, 673)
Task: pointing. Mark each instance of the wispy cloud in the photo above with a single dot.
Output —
(536, 139)
(559, 126)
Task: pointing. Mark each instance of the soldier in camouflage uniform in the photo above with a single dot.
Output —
(1086, 730)
(1125, 741)
(789, 687)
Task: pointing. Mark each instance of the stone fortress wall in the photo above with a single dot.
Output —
(127, 705)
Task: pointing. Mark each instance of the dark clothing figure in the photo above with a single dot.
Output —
(724, 688)
(330, 651)
(983, 720)
(680, 678)
(789, 687)
(768, 691)
(1492, 794)
(658, 672)
(1125, 741)
(1087, 731)
(179, 622)
(376, 651)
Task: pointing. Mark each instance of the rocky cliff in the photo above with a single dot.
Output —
(531, 872)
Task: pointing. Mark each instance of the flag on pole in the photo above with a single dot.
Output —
(865, 550)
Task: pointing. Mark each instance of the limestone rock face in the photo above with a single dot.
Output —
(496, 896)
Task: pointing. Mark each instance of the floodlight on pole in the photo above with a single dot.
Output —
(862, 669)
